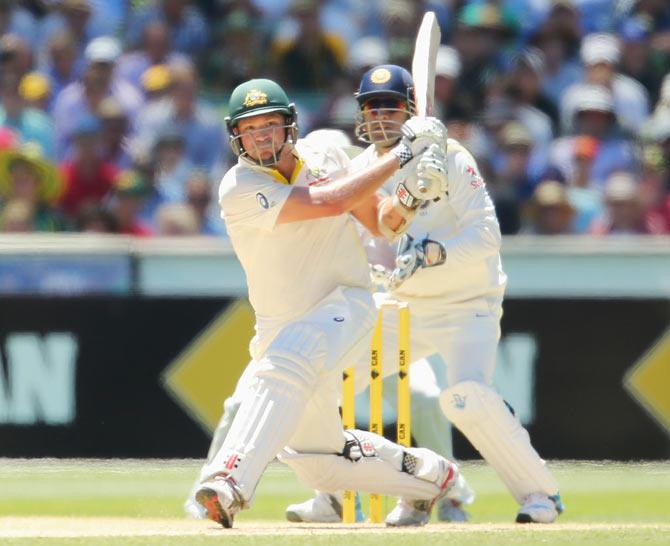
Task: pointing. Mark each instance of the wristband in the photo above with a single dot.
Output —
(403, 152)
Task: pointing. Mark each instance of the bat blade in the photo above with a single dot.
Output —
(423, 64)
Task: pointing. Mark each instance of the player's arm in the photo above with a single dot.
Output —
(340, 195)
(351, 191)
(479, 236)
(384, 216)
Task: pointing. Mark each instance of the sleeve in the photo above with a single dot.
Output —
(479, 235)
(253, 199)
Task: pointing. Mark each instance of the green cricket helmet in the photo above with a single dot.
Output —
(256, 97)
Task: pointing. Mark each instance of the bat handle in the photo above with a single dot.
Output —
(422, 186)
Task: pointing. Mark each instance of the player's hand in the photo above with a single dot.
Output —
(428, 180)
(412, 256)
(418, 133)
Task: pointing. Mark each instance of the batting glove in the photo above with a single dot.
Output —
(427, 179)
(418, 133)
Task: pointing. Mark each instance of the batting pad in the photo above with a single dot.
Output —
(481, 414)
(264, 423)
(372, 474)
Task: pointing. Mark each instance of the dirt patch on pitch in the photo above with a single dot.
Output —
(62, 527)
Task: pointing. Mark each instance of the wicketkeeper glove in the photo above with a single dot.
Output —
(412, 256)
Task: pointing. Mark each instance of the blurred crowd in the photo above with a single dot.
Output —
(111, 111)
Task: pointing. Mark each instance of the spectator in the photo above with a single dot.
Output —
(29, 124)
(199, 198)
(584, 194)
(447, 72)
(187, 27)
(549, 211)
(97, 83)
(130, 192)
(115, 131)
(558, 38)
(95, 219)
(83, 19)
(399, 18)
(524, 83)
(600, 54)
(312, 58)
(365, 54)
(479, 37)
(15, 19)
(61, 65)
(638, 60)
(16, 54)
(88, 178)
(594, 116)
(235, 53)
(200, 126)
(624, 211)
(176, 219)
(172, 166)
(27, 176)
(155, 50)
(510, 185)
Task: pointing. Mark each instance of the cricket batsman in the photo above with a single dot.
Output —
(289, 211)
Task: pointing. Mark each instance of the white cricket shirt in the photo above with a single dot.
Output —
(289, 267)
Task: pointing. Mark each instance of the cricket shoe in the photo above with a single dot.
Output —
(452, 511)
(193, 510)
(221, 498)
(416, 512)
(540, 508)
(323, 508)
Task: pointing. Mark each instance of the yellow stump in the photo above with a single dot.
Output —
(404, 432)
(376, 419)
(349, 421)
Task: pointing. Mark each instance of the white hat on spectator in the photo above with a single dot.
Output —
(600, 47)
(104, 49)
(594, 97)
(448, 62)
(367, 52)
(620, 186)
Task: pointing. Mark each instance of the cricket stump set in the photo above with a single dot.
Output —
(403, 430)
(423, 74)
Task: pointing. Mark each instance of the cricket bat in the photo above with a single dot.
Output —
(423, 64)
(423, 70)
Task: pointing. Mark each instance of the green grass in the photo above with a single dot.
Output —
(630, 498)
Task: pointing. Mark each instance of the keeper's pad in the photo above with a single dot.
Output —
(370, 463)
(482, 416)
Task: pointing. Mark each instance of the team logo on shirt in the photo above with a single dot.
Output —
(381, 75)
(254, 97)
(476, 181)
(262, 200)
